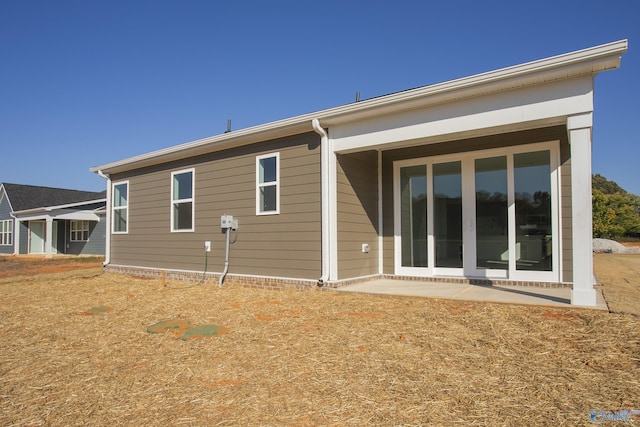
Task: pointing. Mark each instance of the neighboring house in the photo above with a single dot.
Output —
(48, 221)
(484, 179)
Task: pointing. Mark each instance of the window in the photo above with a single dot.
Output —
(182, 184)
(120, 207)
(268, 184)
(6, 232)
(79, 231)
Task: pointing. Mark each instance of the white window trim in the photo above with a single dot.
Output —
(6, 237)
(275, 183)
(468, 189)
(114, 208)
(80, 230)
(192, 199)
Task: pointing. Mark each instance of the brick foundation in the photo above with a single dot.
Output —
(302, 284)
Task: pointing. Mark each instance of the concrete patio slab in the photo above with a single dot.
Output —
(505, 294)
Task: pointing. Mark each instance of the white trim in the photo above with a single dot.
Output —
(580, 121)
(5, 195)
(64, 214)
(81, 230)
(468, 221)
(191, 200)
(112, 208)
(582, 222)
(5, 234)
(260, 185)
(58, 207)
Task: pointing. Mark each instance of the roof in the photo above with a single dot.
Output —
(24, 197)
(584, 62)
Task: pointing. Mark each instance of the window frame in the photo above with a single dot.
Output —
(124, 207)
(6, 235)
(191, 200)
(73, 231)
(260, 185)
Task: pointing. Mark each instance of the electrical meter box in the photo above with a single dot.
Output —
(227, 221)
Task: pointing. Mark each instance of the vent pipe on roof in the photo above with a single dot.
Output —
(357, 96)
(228, 126)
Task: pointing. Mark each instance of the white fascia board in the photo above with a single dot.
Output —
(583, 62)
(48, 209)
(67, 214)
(3, 192)
(525, 108)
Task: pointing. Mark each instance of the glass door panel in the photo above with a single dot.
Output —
(413, 216)
(492, 227)
(532, 181)
(447, 214)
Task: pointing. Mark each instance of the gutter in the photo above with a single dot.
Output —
(107, 234)
(324, 192)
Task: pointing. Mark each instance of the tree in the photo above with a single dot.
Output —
(616, 213)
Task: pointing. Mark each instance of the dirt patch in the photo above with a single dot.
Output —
(323, 359)
(631, 244)
(11, 266)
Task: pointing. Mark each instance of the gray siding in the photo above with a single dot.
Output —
(5, 209)
(283, 245)
(357, 205)
(474, 144)
(565, 210)
(96, 243)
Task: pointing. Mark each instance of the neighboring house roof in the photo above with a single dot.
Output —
(25, 197)
(575, 64)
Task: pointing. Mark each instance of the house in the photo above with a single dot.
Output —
(48, 221)
(483, 179)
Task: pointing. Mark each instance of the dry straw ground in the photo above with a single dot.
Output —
(74, 350)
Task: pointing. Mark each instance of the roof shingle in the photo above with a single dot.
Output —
(23, 197)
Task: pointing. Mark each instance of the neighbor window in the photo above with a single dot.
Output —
(120, 207)
(6, 232)
(268, 184)
(182, 184)
(79, 231)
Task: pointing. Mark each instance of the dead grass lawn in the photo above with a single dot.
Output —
(75, 351)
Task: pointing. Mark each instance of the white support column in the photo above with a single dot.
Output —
(579, 128)
(49, 238)
(16, 236)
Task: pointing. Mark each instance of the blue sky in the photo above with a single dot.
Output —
(83, 83)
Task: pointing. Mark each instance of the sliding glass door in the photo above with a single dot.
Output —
(486, 214)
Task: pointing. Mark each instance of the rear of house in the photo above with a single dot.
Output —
(482, 179)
